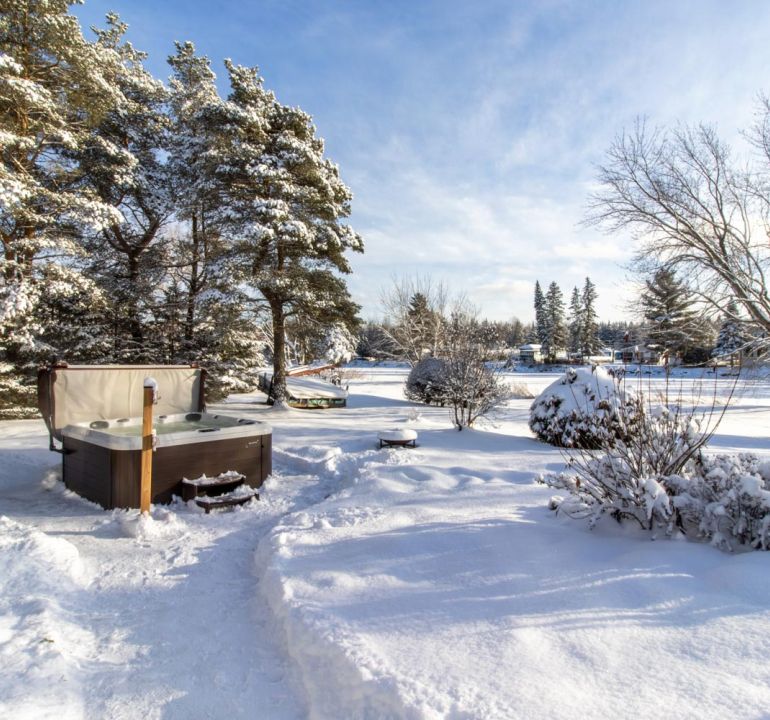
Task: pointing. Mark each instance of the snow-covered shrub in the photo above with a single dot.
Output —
(579, 410)
(655, 473)
(724, 498)
(633, 472)
(426, 381)
(608, 485)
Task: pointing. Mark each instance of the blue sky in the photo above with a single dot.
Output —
(469, 132)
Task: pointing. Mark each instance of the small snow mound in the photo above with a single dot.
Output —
(51, 478)
(281, 407)
(158, 525)
(310, 459)
(32, 561)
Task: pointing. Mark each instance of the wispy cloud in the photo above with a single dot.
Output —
(469, 132)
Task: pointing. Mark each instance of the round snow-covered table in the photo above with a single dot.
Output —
(397, 437)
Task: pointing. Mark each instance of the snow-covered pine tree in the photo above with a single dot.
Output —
(199, 118)
(555, 327)
(540, 315)
(671, 322)
(283, 205)
(128, 258)
(589, 332)
(215, 321)
(575, 321)
(54, 87)
(731, 339)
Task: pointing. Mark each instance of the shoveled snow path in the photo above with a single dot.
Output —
(147, 619)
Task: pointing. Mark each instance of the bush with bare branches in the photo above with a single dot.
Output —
(656, 474)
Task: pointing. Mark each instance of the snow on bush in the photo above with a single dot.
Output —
(724, 499)
(426, 381)
(654, 472)
(580, 409)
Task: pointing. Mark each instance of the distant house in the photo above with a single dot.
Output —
(634, 354)
(530, 354)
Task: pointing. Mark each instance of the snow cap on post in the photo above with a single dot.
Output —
(152, 383)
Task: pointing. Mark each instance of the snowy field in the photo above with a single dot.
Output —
(366, 583)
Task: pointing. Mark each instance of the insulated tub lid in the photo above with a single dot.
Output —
(73, 394)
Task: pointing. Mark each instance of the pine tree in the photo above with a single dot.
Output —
(589, 331)
(575, 322)
(135, 181)
(731, 338)
(215, 318)
(556, 337)
(199, 122)
(671, 323)
(284, 205)
(54, 87)
(540, 315)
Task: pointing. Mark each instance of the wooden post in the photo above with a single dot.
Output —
(145, 488)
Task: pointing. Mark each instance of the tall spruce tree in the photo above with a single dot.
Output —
(590, 343)
(556, 337)
(284, 206)
(541, 321)
(575, 322)
(55, 86)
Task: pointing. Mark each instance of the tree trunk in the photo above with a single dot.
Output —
(192, 296)
(279, 351)
(134, 322)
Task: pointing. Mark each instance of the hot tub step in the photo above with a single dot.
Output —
(211, 486)
(237, 497)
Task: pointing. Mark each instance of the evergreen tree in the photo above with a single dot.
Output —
(671, 323)
(215, 318)
(514, 333)
(284, 203)
(54, 87)
(556, 336)
(199, 122)
(575, 322)
(129, 263)
(540, 315)
(731, 338)
(589, 331)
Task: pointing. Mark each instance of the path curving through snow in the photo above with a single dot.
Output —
(104, 614)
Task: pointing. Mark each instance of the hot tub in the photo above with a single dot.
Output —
(102, 455)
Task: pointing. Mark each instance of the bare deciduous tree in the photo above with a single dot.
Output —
(471, 387)
(416, 311)
(694, 209)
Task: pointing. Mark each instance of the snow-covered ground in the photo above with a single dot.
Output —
(366, 583)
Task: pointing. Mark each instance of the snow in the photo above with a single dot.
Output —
(374, 583)
(306, 388)
(397, 434)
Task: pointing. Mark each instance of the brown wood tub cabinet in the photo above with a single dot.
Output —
(102, 458)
